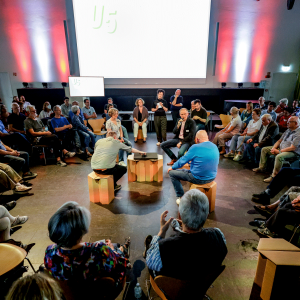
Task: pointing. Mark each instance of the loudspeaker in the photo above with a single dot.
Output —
(290, 4)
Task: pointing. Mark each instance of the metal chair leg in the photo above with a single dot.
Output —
(295, 230)
(30, 264)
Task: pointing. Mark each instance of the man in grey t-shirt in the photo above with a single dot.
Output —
(105, 154)
(88, 111)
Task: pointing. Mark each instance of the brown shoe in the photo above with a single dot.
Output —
(172, 162)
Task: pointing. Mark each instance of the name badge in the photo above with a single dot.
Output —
(187, 130)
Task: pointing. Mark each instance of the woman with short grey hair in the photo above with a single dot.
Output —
(229, 131)
(82, 129)
(71, 258)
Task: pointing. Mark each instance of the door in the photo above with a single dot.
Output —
(5, 89)
(283, 86)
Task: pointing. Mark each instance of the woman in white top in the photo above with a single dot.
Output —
(238, 140)
(114, 124)
(46, 112)
(229, 131)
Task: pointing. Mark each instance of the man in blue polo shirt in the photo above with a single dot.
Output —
(176, 102)
(62, 129)
(204, 158)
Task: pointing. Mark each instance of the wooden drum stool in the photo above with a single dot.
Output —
(145, 170)
(210, 190)
(101, 188)
(140, 134)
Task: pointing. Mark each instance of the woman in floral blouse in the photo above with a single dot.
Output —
(71, 258)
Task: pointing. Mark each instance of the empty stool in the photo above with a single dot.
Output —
(101, 188)
(210, 190)
(140, 134)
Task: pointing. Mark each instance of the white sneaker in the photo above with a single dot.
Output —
(121, 163)
(158, 143)
(238, 157)
(61, 163)
(70, 154)
(229, 154)
(79, 151)
(21, 189)
(178, 201)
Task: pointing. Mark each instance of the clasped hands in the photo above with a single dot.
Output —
(274, 151)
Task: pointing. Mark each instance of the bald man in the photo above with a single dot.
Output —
(184, 131)
(204, 160)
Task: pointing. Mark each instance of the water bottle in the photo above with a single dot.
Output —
(46, 128)
(138, 291)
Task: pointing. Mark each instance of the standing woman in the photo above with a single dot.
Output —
(140, 117)
(114, 124)
(159, 107)
(46, 112)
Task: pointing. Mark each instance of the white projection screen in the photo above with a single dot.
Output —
(142, 39)
(85, 86)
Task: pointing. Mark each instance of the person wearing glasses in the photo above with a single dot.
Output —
(287, 146)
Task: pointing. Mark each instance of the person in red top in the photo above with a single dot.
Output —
(279, 109)
(282, 122)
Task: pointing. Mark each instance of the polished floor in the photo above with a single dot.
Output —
(136, 210)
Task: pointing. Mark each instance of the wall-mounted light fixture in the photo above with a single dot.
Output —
(45, 84)
(223, 84)
(285, 68)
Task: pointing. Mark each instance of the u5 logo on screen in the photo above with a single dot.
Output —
(98, 19)
(76, 81)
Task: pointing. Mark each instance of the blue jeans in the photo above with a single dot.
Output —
(185, 175)
(18, 163)
(121, 152)
(237, 141)
(88, 137)
(172, 143)
(252, 153)
(200, 126)
(175, 116)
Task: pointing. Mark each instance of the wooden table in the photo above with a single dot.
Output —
(145, 170)
(10, 257)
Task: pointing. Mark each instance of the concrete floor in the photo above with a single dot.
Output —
(136, 210)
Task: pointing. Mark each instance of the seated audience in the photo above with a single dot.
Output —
(229, 131)
(270, 111)
(36, 131)
(109, 101)
(71, 114)
(199, 115)
(239, 139)
(204, 160)
(162, 254)
(7, 221)
(184, 131)
(279, 109)
(261, 103)
(192, 105)
(17, 100)
(246, 115)
(83, 131)
(282, 121)
(296, 108)
(88, 111)
(16, 119)
(263, 138)
(107, 117)
(14, 139)
(105, 155)
(289, 214)
(4, 114)
(71, 258)
(46, 112)
(19, 161)
(286, 176)
(62, 129)
(287, 146)
(114, 124)
(24, 103)
(176, 103)
(10, 180)
(36, 286)
(66, 107)
(140, 119)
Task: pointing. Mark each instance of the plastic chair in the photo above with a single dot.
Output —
(168, 288)
(242, 109)
(97, 124)
(225, 121)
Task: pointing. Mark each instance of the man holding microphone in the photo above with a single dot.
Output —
(184, 131)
